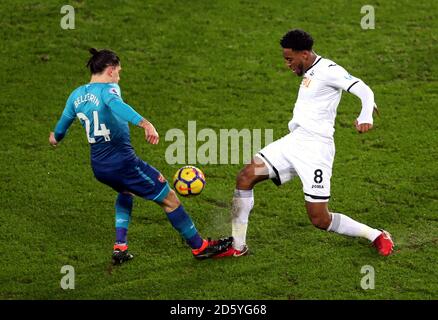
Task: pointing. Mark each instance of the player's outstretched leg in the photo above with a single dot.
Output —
(337, 222)
(123, 218)
(181, 221)
(243, 202)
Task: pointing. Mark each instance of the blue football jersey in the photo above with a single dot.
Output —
(104, 116)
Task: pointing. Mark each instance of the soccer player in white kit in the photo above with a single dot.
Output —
(308, 150)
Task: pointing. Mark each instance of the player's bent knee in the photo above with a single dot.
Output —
(320, 222)
(244, 175)
(245, 178)
(251, 174)
(171, 202)
(319, 215)
(172, 199)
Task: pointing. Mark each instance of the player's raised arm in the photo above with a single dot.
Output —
(340, 78)
(127, 113)
(365, 120)
(151, 134)
(67, 118)
(124, 111)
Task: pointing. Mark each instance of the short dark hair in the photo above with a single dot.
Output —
(297, 40)
(102, 59)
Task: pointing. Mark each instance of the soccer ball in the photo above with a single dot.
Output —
(189, 180)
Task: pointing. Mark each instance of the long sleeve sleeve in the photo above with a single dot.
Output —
(113, 99)
(125, 111)
(67, 118)
(366, 95)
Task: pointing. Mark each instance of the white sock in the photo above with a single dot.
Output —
(243, 202)
(345, 225)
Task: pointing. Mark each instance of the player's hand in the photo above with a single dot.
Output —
(150, 134)
(52, 139)
(363, 127)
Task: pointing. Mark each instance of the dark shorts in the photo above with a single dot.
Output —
(137, 177)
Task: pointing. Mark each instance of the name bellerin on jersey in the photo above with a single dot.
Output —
(88, 97)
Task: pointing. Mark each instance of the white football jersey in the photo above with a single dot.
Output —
(319, 96)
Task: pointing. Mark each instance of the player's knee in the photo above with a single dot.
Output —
(171, 202)
(174, 201)
(320, 222)
(245, 179)
(320, 219)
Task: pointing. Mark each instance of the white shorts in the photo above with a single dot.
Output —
(299, 153)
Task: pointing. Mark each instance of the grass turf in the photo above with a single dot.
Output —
(219, 63)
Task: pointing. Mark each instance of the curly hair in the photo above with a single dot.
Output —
(297, 40)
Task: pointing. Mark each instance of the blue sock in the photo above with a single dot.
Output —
(123, 216)
(181, 221)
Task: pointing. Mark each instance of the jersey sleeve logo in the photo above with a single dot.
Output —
(348, 76)
(161, 178)
(114, 91)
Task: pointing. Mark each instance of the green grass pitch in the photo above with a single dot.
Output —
(219, 63)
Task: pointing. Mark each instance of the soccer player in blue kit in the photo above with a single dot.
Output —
(100, 108)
